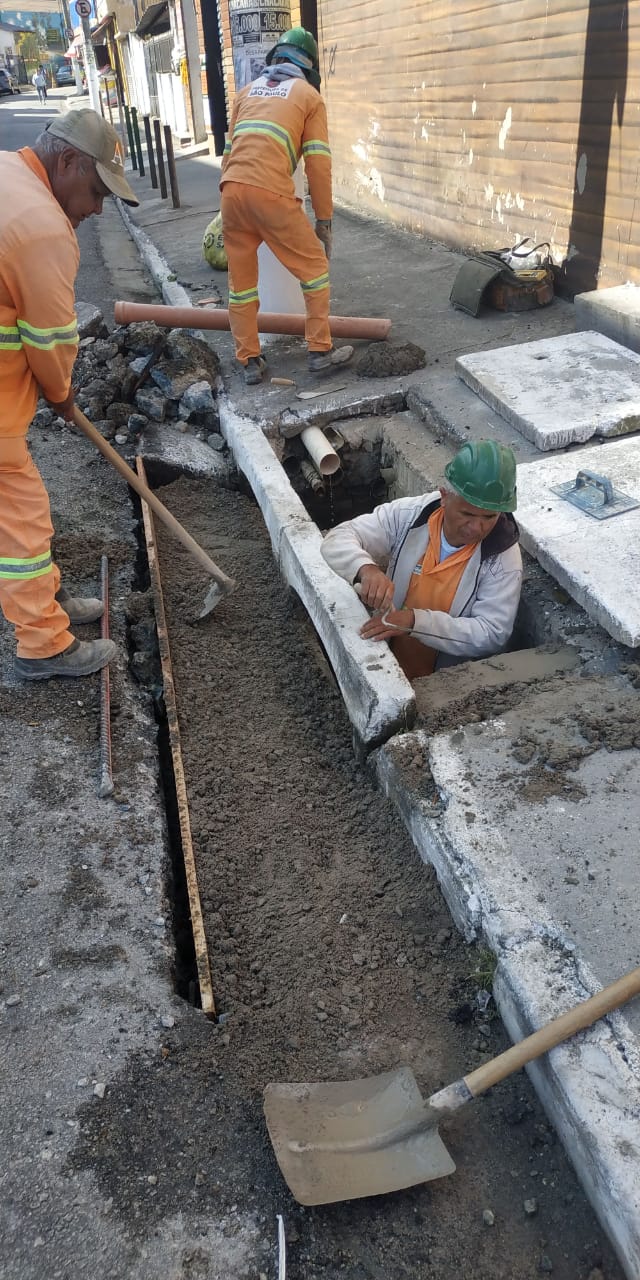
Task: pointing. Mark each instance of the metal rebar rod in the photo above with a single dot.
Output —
(157, 129)
(171, 165)
(136, 134)
(132, 149)
(106, 787)
(149, 140)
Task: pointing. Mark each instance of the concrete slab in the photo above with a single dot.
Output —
(596, 561)
(516, 816)
(561, 390)
(614, 312)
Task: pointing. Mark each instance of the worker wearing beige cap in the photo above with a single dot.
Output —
(51, 188)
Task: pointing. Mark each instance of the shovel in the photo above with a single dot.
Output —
(348, 1139)
(221, 585)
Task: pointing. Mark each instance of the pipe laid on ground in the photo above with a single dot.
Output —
(322, 454)
(268, 321)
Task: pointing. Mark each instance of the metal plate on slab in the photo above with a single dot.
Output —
(595, 495)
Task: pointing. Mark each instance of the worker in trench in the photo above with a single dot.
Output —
(441, 572)
(277, 119)
(50, 188)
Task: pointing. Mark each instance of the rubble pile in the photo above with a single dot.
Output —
(140, 375)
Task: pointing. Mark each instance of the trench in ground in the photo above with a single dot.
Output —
(331, 946)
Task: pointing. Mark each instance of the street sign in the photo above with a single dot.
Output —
(83, 8)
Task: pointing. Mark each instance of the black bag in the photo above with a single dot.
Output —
(488, 277)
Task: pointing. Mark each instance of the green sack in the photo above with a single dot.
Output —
(213, 250)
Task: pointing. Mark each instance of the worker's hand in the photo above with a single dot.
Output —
(64, 408)
(324, 234)
(394, 622)
(376, 589)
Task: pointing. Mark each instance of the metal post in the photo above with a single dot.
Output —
(149, 140)
(161, 174)
(127, 120)
(171, 165)
(136, 134)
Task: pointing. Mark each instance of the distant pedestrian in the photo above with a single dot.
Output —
(40, 81)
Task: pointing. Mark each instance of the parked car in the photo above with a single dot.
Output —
(64, 74)
(8, 82)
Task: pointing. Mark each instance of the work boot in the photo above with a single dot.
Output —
(317, 360)
(79, 610)
(82, 658)
(254, 370)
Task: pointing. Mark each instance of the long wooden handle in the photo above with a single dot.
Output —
(582, 1015)
(112, 456)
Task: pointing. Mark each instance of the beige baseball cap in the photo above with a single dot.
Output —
(85, 130)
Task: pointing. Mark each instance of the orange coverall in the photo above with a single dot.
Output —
(273, 124)
(39, 259)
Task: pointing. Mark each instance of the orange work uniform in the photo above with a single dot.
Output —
(39, 259)
(433, 585)
(274, 122)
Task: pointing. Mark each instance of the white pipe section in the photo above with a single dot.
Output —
(323, 456)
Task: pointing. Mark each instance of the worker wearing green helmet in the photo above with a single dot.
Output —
(441, 573)
(277, 120)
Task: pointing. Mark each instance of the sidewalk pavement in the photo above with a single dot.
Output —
(376, 270)
(508, 876)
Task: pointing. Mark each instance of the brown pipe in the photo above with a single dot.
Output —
(268, 321)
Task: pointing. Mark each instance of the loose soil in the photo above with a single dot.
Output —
(333, 956)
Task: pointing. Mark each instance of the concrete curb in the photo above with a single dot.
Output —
(378, 698)
(590, 1086)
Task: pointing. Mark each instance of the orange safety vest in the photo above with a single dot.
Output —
(433, 585)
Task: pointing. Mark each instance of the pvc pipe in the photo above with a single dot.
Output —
(268, 321)
(320, 451)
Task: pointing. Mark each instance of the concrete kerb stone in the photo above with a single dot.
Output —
(378, 697)
(590, 1087)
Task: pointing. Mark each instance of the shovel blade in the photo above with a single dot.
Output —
(213, 597)
(335, 1141)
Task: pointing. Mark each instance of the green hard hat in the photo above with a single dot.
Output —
(484, 474)
(300, 39)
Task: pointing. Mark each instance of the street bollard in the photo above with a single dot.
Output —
(136, 134)
(161, 174)
(132, 150)
(149, 140)
(171, 165)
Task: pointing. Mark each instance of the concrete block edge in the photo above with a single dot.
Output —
(589, 1087)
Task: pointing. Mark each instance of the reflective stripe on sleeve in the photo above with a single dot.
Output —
(316, 148)
(46, 339)
(34, 567)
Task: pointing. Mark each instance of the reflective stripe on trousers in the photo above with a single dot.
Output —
(28, 578)
(252, 216)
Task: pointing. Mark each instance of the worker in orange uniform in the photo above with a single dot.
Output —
(275, 120)
(53, 186)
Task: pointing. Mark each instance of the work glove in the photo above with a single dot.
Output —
(324, 234)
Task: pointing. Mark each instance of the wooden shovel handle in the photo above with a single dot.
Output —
(582, 1015)
(112, 456)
